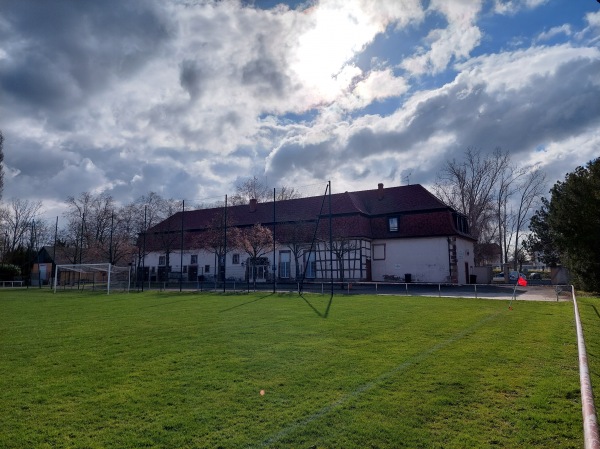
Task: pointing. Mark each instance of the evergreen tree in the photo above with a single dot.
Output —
(572, 223)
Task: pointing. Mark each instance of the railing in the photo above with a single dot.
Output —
(11, 283)
(353, 287)
(588, 410)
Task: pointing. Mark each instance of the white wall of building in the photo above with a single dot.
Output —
(425, 259)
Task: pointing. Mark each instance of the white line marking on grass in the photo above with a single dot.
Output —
(369, 385)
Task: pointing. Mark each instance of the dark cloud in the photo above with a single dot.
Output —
(266, 76)
(318, 158)
(190, 77)
(64, 51)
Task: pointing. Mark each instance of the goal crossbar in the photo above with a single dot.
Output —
(107, 268)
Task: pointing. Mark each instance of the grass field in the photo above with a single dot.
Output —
(185, 370)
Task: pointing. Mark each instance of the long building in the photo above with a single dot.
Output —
(402, 233)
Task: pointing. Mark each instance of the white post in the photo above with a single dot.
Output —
(108, 286)
(55, 277)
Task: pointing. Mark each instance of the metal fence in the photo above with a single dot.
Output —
(444, 290)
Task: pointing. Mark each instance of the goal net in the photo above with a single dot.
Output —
(93, 277)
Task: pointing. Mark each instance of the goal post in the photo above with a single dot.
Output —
(92, 276)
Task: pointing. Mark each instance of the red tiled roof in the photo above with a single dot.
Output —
(362, 213)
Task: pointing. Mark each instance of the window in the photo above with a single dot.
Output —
(207, 268)
(193, 259)
(393, 224)
(461, 222)
(162, 260)
(311, 265)
(235, 259)
(379, 251)
(284, 264)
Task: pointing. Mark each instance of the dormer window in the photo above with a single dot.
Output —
(461, 223)
(393, 224)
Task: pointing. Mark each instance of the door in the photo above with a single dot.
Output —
(43, 272)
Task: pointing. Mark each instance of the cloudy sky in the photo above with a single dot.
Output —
(184, 97)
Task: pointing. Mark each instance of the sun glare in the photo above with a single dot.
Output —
(325, 50)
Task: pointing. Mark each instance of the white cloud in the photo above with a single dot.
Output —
(511, 7)
(593, 19)
(456, 41)
(515, 70)
(515, 101)
(552, 32)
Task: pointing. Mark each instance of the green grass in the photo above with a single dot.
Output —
(184, 370)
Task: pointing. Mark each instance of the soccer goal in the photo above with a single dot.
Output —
(92, 276)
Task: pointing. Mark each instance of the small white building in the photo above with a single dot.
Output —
(397, 233)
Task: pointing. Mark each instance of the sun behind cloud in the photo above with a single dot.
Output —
(333, 36)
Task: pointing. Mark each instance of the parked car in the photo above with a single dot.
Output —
(512, 277)
(535, 276)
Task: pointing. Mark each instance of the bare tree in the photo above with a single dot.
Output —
(286, 193)
(530, 191)
(469, 187)
(90, 225)
(18, 217)
(495, 195)
(253, 188)
(248, 189)
(255, 242)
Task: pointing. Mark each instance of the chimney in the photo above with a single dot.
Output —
(380, 191)
(253, 205)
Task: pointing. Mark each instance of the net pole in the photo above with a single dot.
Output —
(181, 252)
(225, 246)
(274, 248)
(330, 239)
(144, 251)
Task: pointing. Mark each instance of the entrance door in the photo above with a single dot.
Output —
(43, 272)
(261, 273)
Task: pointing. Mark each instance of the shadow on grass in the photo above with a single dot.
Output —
(322, 315)
(595, 310)
(246, 303)
(165, 303)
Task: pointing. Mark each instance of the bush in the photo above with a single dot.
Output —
(8, 272)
